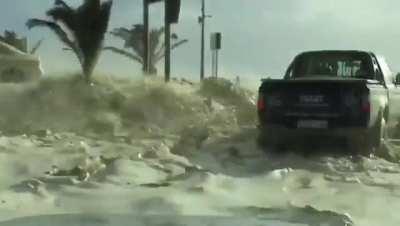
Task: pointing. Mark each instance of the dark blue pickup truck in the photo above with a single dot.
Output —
(344, 94)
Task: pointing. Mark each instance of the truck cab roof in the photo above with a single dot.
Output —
(333, 63)
(334, 51)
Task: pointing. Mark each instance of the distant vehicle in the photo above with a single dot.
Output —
(17, 66)
(346, 94)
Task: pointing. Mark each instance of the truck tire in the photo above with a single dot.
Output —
(261, 143)
(378, 137)
(269, 143)
(369, 142)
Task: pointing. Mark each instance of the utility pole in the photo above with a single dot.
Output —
(167, 41)
(146, 54)
(202, 21)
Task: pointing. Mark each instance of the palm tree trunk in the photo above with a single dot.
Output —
(87, 74)
(87, 69)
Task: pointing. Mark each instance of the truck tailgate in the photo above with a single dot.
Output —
(315, 103)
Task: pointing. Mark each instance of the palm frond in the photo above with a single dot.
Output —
(160, 52)
(63, 14)
(174, 36)
(161, 55)
(63, 4)
(36, 46)
(133, 39)
(122, 33)
(155, 36)
(176, 45)
(105, 13)
(61, 34)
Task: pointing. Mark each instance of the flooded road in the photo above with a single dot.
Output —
(143, 156)
(65, 173)
(367, 189)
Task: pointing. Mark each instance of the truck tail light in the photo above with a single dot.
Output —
(261, 103)
(365, 104)
(366, 107)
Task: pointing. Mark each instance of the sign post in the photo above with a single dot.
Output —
(216, 45)
(146, 42)
(172, 10)
(203, 22)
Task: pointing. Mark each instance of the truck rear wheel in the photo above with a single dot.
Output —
(269, 143)
(378, 137)
(371, 142)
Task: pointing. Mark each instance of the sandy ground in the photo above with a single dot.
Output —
(222, 173)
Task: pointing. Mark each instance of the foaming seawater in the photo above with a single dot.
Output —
(149, 148)
(110, 107)
(327, 179)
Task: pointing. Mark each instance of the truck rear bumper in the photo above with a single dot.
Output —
(277, 134)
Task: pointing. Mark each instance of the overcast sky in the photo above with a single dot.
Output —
(260, 37)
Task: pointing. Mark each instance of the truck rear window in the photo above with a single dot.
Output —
(346, 65)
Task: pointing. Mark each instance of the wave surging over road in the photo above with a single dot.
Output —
(145, 148)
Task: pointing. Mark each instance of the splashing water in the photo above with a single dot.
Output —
(148, 148)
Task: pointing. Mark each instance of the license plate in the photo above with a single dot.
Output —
(312, 124)
(311, 99)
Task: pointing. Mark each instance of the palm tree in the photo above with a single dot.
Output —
(134, 40)
(81, 29)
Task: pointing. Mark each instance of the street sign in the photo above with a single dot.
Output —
(173, 11)
(216, 41)
(173, 8)
(216, 45)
